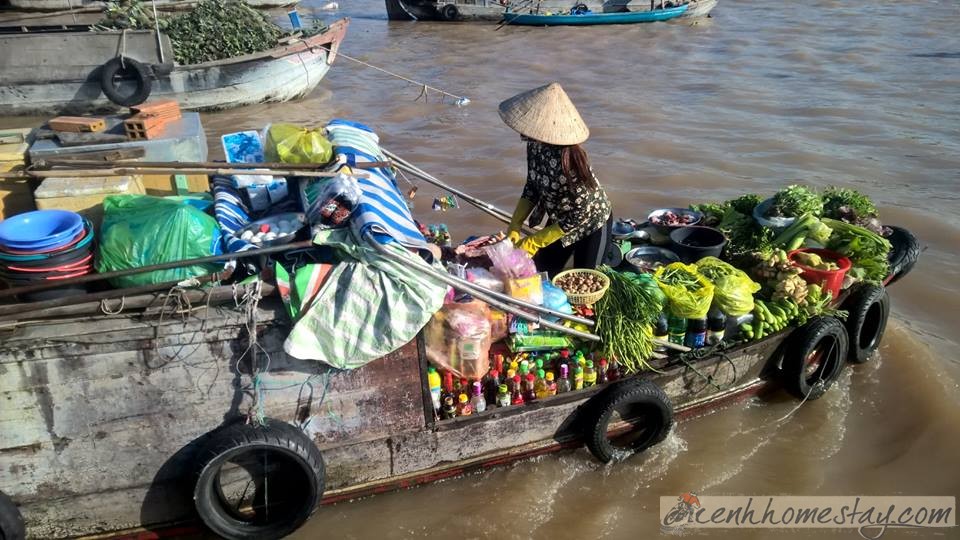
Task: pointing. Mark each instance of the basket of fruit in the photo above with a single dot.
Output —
(583, 286)
(821, 266)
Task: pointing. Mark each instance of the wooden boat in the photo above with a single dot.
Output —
(589, 18)
(71, 5)
(109, 406)
(37, 78)
(500, 10)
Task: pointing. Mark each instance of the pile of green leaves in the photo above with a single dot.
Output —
(212, 30)
(624, 318)
(867, 250)
(735, 219)
(835, 200)
(795, 201)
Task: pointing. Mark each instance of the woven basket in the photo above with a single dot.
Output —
(583, 299)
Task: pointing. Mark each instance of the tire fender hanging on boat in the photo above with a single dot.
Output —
(869, 310)
(813, 357)
(643, 405)
(11, 522)
(449, 12)
(126, 68)
(274, 469)
(904, 253)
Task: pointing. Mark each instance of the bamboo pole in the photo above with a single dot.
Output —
(80, 163)
(124, 171)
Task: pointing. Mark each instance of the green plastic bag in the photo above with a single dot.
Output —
(732, 288)
(690, 301)
(287, 143)
(139, 230)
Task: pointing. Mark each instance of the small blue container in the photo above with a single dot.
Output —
(295, 19)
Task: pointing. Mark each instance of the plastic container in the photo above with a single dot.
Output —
(759, 214)
(695, 218)
(648, 258)
(694, 243)
(830, 280)
(40, 229)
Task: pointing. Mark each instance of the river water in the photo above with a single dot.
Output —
(765, 93)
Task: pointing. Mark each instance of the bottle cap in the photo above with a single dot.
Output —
(431, 369)
(540, 373)
(511, 373)
(539, 363)
(564, 370)
(516, 378)
(463, 398)
(448, 400)
(477, 388)
(565, 353)
(502, 389)
(464, 383)
(494, 373)
(578, 371)
(530, 377)
(603, 361)
(549, 376)
(589, 363)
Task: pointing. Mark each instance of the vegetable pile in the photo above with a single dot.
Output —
(795, 201)
(867, 250)
(624, 318)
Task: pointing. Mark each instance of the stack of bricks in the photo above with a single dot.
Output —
(149, 119)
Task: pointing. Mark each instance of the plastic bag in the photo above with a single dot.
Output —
(528, 289)
(458, 338)
(686, 302)
(733, 289)
(554, 298)
(334, 202)
(510, 262)
(139, 230)
(540, 341)
(484, 278)
(288, 143)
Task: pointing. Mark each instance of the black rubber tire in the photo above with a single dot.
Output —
(450, 12)
(126, 68)
(280, 439)
(904, 253)
(651, 407)
(869, 308)
(11, 522)
(815, 336)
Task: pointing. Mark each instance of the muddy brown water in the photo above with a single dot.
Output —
(852, 93)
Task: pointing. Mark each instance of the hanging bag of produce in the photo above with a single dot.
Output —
(732, 288)
(287, 143)
(458, 338)
(140, 230)
(688, 292)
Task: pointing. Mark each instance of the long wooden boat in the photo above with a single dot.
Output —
(588, 19)
(70, 5)
(110, 404)
(37, 77)
(505, 10)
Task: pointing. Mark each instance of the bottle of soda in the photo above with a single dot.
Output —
(433, 380)
(529, 388)
(448, 389)
(516, 396)
(564, 385)
(490, 382)
(589, 375)
(477, 401)
(602, 371)
(464, 408)
(503, 396)
(613, 370)
(551, 384)
(578, 378)
(540, 384)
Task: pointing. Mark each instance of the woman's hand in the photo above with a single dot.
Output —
(533, 243)
(524, 207)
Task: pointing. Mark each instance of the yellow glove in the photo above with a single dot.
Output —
(542, 239)
(524, 207)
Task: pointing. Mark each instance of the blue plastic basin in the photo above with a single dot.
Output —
(40, 229)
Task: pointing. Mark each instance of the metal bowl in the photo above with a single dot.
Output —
(297, 219)
(696, 217)
(649, 258)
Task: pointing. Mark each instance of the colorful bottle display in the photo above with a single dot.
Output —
(589, 375)
(564, 385)
(503, 396)
(477, 401)
(433, 381)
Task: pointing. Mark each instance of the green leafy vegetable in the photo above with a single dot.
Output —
(794, 201)
(834, 199)
(624, 318)
(866, 249)
(745, 203)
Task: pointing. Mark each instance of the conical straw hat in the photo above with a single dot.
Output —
(545, 114)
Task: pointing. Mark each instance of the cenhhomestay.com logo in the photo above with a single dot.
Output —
(869, 516)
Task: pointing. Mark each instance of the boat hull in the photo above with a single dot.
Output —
(278, 75)
(629, 17)
(67, 5)
(101, 417)
(496, 10)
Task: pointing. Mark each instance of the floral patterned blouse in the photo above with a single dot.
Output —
(577, 208)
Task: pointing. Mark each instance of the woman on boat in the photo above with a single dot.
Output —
(560, 183)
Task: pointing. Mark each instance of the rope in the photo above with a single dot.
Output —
(459, 101)
(813, 386)
(250, 303)
(107, 311)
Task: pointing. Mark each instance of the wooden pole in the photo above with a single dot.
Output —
(124, 171)
(80, 163)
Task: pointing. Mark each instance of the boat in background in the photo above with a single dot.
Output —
(505, 10)
(99, 5)
(36, 78)
(587, 18)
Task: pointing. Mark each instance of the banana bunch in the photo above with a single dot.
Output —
(770, 317)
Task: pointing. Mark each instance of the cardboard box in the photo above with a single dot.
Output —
(84, 195)
(169, 184)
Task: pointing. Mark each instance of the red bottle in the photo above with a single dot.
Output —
(602, 375)
(516, 395)
(529, 389)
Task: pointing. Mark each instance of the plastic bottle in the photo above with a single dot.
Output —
(564, 385)
(478, 402)
(516, 396)
(433, 380)
(515, 366)
(696, 335)
(613, 370)
(602, 376)
(448, 388)
(581, 359)
(490, 382)
(539, 364)
(551, 384)
(716, 326)
(464, 408)
(677, 328)
(503, 396)
(449, 409)
(578, 378)
(529, 388)
(498, 364)
(540, 384)
(589, 375)
(661, 330)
